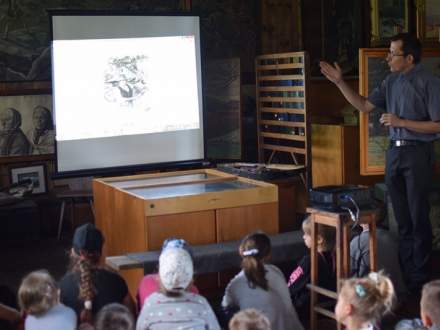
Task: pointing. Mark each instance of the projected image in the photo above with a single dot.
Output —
(119, 87)
(124, 80)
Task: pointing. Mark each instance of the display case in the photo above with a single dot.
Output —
(137, 213)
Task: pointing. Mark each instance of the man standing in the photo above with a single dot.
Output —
(411, 97)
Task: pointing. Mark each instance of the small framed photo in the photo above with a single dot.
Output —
(36, 173)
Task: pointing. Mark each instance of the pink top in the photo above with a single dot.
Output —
(150, 284)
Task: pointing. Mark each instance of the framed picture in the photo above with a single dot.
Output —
(374, 141)
(428, 21)
(388, 17)
(36, 173)
(26, 125)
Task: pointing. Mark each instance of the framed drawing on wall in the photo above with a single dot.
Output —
(26, 125)
(428, 21)
(374, 141)
(388, 17)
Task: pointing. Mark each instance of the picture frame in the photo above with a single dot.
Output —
(37, 173)
(29, 103)
(428, 22)
(374, 139)
(388, 18)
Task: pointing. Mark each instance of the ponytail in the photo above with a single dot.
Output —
(386, 290)
(86, 289)
(253, 250)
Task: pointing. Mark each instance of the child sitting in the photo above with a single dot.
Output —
(174, 307)
(363, 301)
(87, 286)
(429, 310)
(387, 259)
(38, 296)
(261, 286)
(249, 319)
(151, 282)
(114, 317)
(300, 277)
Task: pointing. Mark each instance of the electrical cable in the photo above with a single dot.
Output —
(354, 215)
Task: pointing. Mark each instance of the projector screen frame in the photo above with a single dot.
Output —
(115, 170)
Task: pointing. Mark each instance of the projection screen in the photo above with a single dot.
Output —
(127, 91)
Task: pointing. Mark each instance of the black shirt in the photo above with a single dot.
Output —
(300, 277)
(110, 288)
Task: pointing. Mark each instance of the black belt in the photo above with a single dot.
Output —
(403, 143)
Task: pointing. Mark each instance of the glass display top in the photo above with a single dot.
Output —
(162, 180)
(187, 189)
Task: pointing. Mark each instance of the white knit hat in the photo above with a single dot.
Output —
(175, 269)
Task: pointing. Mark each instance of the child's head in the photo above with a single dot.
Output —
(363, 300)
(38, 293)
(326, 235)
(114, 317)
(249, 319)
(254, 250)
(175, 270)
(87, 240)
(430, 304)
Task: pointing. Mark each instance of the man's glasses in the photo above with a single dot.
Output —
(391, 54)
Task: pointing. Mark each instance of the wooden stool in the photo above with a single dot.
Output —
(342, 222)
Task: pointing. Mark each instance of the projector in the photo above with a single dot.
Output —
(336, 197)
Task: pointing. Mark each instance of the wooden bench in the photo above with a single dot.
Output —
(217, 257)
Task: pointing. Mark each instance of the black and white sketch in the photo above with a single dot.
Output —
(26, 126)
(13, 142)
(125, 80)
(42, 135)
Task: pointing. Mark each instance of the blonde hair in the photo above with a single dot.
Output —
(430, 302)
(38, 293)
(371, 296)
(249, 319)
(327, 233)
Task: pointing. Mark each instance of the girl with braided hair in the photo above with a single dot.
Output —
(260, 285)
(87, 287)
(363, 301)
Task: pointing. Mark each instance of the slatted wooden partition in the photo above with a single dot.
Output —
(283, 128)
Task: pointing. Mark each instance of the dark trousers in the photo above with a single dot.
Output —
(408, 177)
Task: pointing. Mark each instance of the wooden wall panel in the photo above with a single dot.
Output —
(281, 26)
(326, 101)
(128, 223)
(195, 227)
(235, 223)
(327, 162)
(336, 158)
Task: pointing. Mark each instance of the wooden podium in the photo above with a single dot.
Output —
(137, 213)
